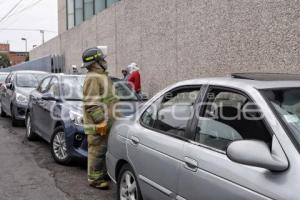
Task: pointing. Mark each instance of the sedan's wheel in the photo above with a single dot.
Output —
(59, 147)
(128, 188)
(30, 135)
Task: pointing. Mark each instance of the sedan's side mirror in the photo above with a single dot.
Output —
(144, 97)
(49, 97)
(258, 154)
(9, 86)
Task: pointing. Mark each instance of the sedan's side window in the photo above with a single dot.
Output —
(8, 79)
(171, 113)
(149, 116)
(44, 85)
(54, 87)
(227, 117)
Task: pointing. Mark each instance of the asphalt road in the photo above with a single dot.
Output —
(28, 172)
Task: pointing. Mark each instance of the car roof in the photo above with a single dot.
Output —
(80, 75)
(70, 75)
(242, 83)
(30, 72)
(267, 76)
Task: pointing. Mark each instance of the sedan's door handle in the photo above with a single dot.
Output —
(135, 140)
(190, 164)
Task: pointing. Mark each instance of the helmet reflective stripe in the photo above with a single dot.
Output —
(92, 57)
(89, 58)
(97, 55)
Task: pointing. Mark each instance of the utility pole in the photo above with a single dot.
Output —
(43, 36)
(24, 39)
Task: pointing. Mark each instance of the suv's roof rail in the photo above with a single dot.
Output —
(267, 76)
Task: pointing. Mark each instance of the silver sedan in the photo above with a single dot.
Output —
(216, 138)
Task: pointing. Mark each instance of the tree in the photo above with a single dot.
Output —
(4, 60)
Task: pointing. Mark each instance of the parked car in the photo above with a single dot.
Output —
(55, 114)
(3, 76)
(217, 138)
(15, 92)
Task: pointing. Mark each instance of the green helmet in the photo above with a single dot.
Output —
(91, 56)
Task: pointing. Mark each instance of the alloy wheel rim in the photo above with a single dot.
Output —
(128, 187)
(59, 146)
(28, 125)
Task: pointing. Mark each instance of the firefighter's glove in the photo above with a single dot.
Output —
(101, 128)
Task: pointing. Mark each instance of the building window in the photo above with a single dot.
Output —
(78, 12)
(88, 9)
(100, 5)
(110, 2)
(70, 5)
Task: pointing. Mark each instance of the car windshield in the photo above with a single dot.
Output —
(287, 104)
(2, 77)
(30, 80)
(72, 89)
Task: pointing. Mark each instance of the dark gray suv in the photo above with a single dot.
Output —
(15, 92)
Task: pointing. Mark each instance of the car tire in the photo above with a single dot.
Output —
(14, 121)
(59, 149)
(30, 134)
(2, 113)
(128, 187)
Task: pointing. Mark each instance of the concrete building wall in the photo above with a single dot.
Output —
(62, 16)
(173, 40)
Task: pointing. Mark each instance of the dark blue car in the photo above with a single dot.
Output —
(55, 114)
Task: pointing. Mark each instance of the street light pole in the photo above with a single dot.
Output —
(43, 36)
(24, 39)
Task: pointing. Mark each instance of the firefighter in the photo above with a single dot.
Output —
(98, 115)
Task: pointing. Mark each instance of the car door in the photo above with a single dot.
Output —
(49, 108)
(156, 147)
(5, 98)
(8, 92)
(220, 121)
(38, 111)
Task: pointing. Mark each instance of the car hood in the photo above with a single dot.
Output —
(24, 91)
(75, 105)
